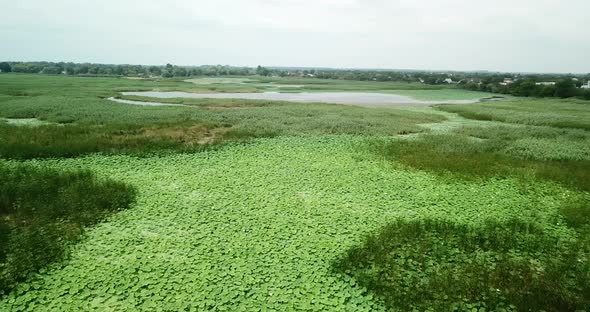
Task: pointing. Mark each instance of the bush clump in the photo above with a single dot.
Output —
(43, 209)
(509, 265)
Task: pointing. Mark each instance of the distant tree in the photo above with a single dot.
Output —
(547, 91)
(5, 67)
(26, 68)
(565, 88)
(524, 87)
(430, 80)
(179, 71)
(471, 86)
(119, 70)
(51, 70)
(155, 70)
(105, 70)
(196, 72)
(93, 70)
(82, 69)
(262, 71)
(70, 69)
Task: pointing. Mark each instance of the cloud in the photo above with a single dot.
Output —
(525, 35)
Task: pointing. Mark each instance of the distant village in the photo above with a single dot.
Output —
(509, 81)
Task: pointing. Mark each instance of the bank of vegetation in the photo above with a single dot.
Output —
(506, 264)
(44, 210)
(516, 84)
(79, 119)
(328, 207)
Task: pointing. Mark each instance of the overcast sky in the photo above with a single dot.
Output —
(515, 35)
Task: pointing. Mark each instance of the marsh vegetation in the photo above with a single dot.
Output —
(242, 204)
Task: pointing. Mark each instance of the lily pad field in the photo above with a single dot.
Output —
(256, 205)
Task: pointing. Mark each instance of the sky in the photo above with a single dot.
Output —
(499, 35)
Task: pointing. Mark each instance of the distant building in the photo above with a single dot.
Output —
(546, 83)
(586, 86)
(449, 80)
(507, 81)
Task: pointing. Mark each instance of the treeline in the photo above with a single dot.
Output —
(562, 86)
(537, 85)
(166, 71)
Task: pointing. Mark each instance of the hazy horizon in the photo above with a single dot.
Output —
(451, 35)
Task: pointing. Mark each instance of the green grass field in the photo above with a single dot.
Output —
(547, 112)
(250, 205)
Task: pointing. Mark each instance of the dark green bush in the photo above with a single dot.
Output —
(577, 212)
(42, 210)
(511, 265)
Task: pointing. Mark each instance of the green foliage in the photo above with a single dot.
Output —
(261, 225)
(88, 123)
(554, 113)
(517, 84)
(446, 94)
(262, 71)
(465, 155)
(534, 143)
(447, 266)
(565, 88)
(577, 212)
(542, 85)
(515, 265)
(46, 141)
(5, 67)
(43, 209)
(258, 225)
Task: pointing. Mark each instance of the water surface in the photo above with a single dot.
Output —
(350, 98)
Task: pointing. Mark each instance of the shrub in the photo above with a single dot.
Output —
(42, 210)
(471, 157)
(577, 212)
(510, 265)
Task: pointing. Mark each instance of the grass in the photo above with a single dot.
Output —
(310, 84)
(261, 224)
(577, 213)
(218, 80)
(75, 140)
(327, 207)
(84, 122)
(42, 210)
(491, 265)
(507, 265)
(441, 94)
(533, 142)
(185, 128)
(545, 112)
(415, 90)
(466, 156)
